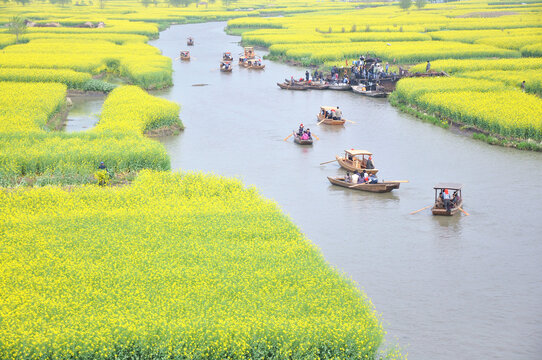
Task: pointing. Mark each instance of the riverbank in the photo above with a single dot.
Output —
(464, 129)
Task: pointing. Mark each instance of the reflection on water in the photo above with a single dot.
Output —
(448, 287)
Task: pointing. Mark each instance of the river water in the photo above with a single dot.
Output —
(462, 287)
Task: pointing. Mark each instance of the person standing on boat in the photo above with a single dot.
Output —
(370, 164)
(307, 75)
(338, 114)
(446, 199)
(300, 131)
(387, 68)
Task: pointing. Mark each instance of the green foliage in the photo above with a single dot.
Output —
(17, 27)
(421, 3)
(98, 85)
(405, 4)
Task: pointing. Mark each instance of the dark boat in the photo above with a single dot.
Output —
(190, 41)
(298, 140)
(381, 187)
(287, 86)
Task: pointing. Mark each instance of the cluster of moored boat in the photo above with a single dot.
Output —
(369, 89)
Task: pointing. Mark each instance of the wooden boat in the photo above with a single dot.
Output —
(322, 119)
(287, 86)
(360, 89)
(190, 41)
(339, 86)
(226, 66)
(298, 140)
(249, 52)
(381, 187)
(255, 63)
(439, 208)
(256, 67)
(316, 85)
(227, 56)
(185, 55)
(352, 161)
(243, 61)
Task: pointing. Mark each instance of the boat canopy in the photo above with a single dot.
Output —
(451, 186)
(328, 108)
(357, 152)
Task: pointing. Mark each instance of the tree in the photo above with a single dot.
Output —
(405, 4)
(17, 27)
(421, 3)
(23, 2)
(102, 4)
(146, 3)
(60, 2)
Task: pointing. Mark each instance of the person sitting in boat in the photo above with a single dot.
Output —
(373, 179)
(347, 177)
(447, 200)
(309, 133)
(300, 131)
(365, 176)
(338, 113)
(345, 80)
(334, 114)
(369, 164)
(455, 198)
(355, 177)
(305, 136)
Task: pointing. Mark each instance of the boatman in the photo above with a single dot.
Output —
(307, 75)
(370, 163)
(338, 113)
(300, 131)
(446, 199)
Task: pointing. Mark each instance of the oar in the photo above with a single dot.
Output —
(327, 162)
(317, 138)
(414, 212)
(464, 212)
(350, 121)
(286, 138)
(177, 58)
(399, 181)
(320, 122)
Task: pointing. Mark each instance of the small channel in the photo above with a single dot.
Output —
(85, 112)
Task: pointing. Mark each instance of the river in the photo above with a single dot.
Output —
(462, 287)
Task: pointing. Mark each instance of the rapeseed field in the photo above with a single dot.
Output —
(177, 266)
